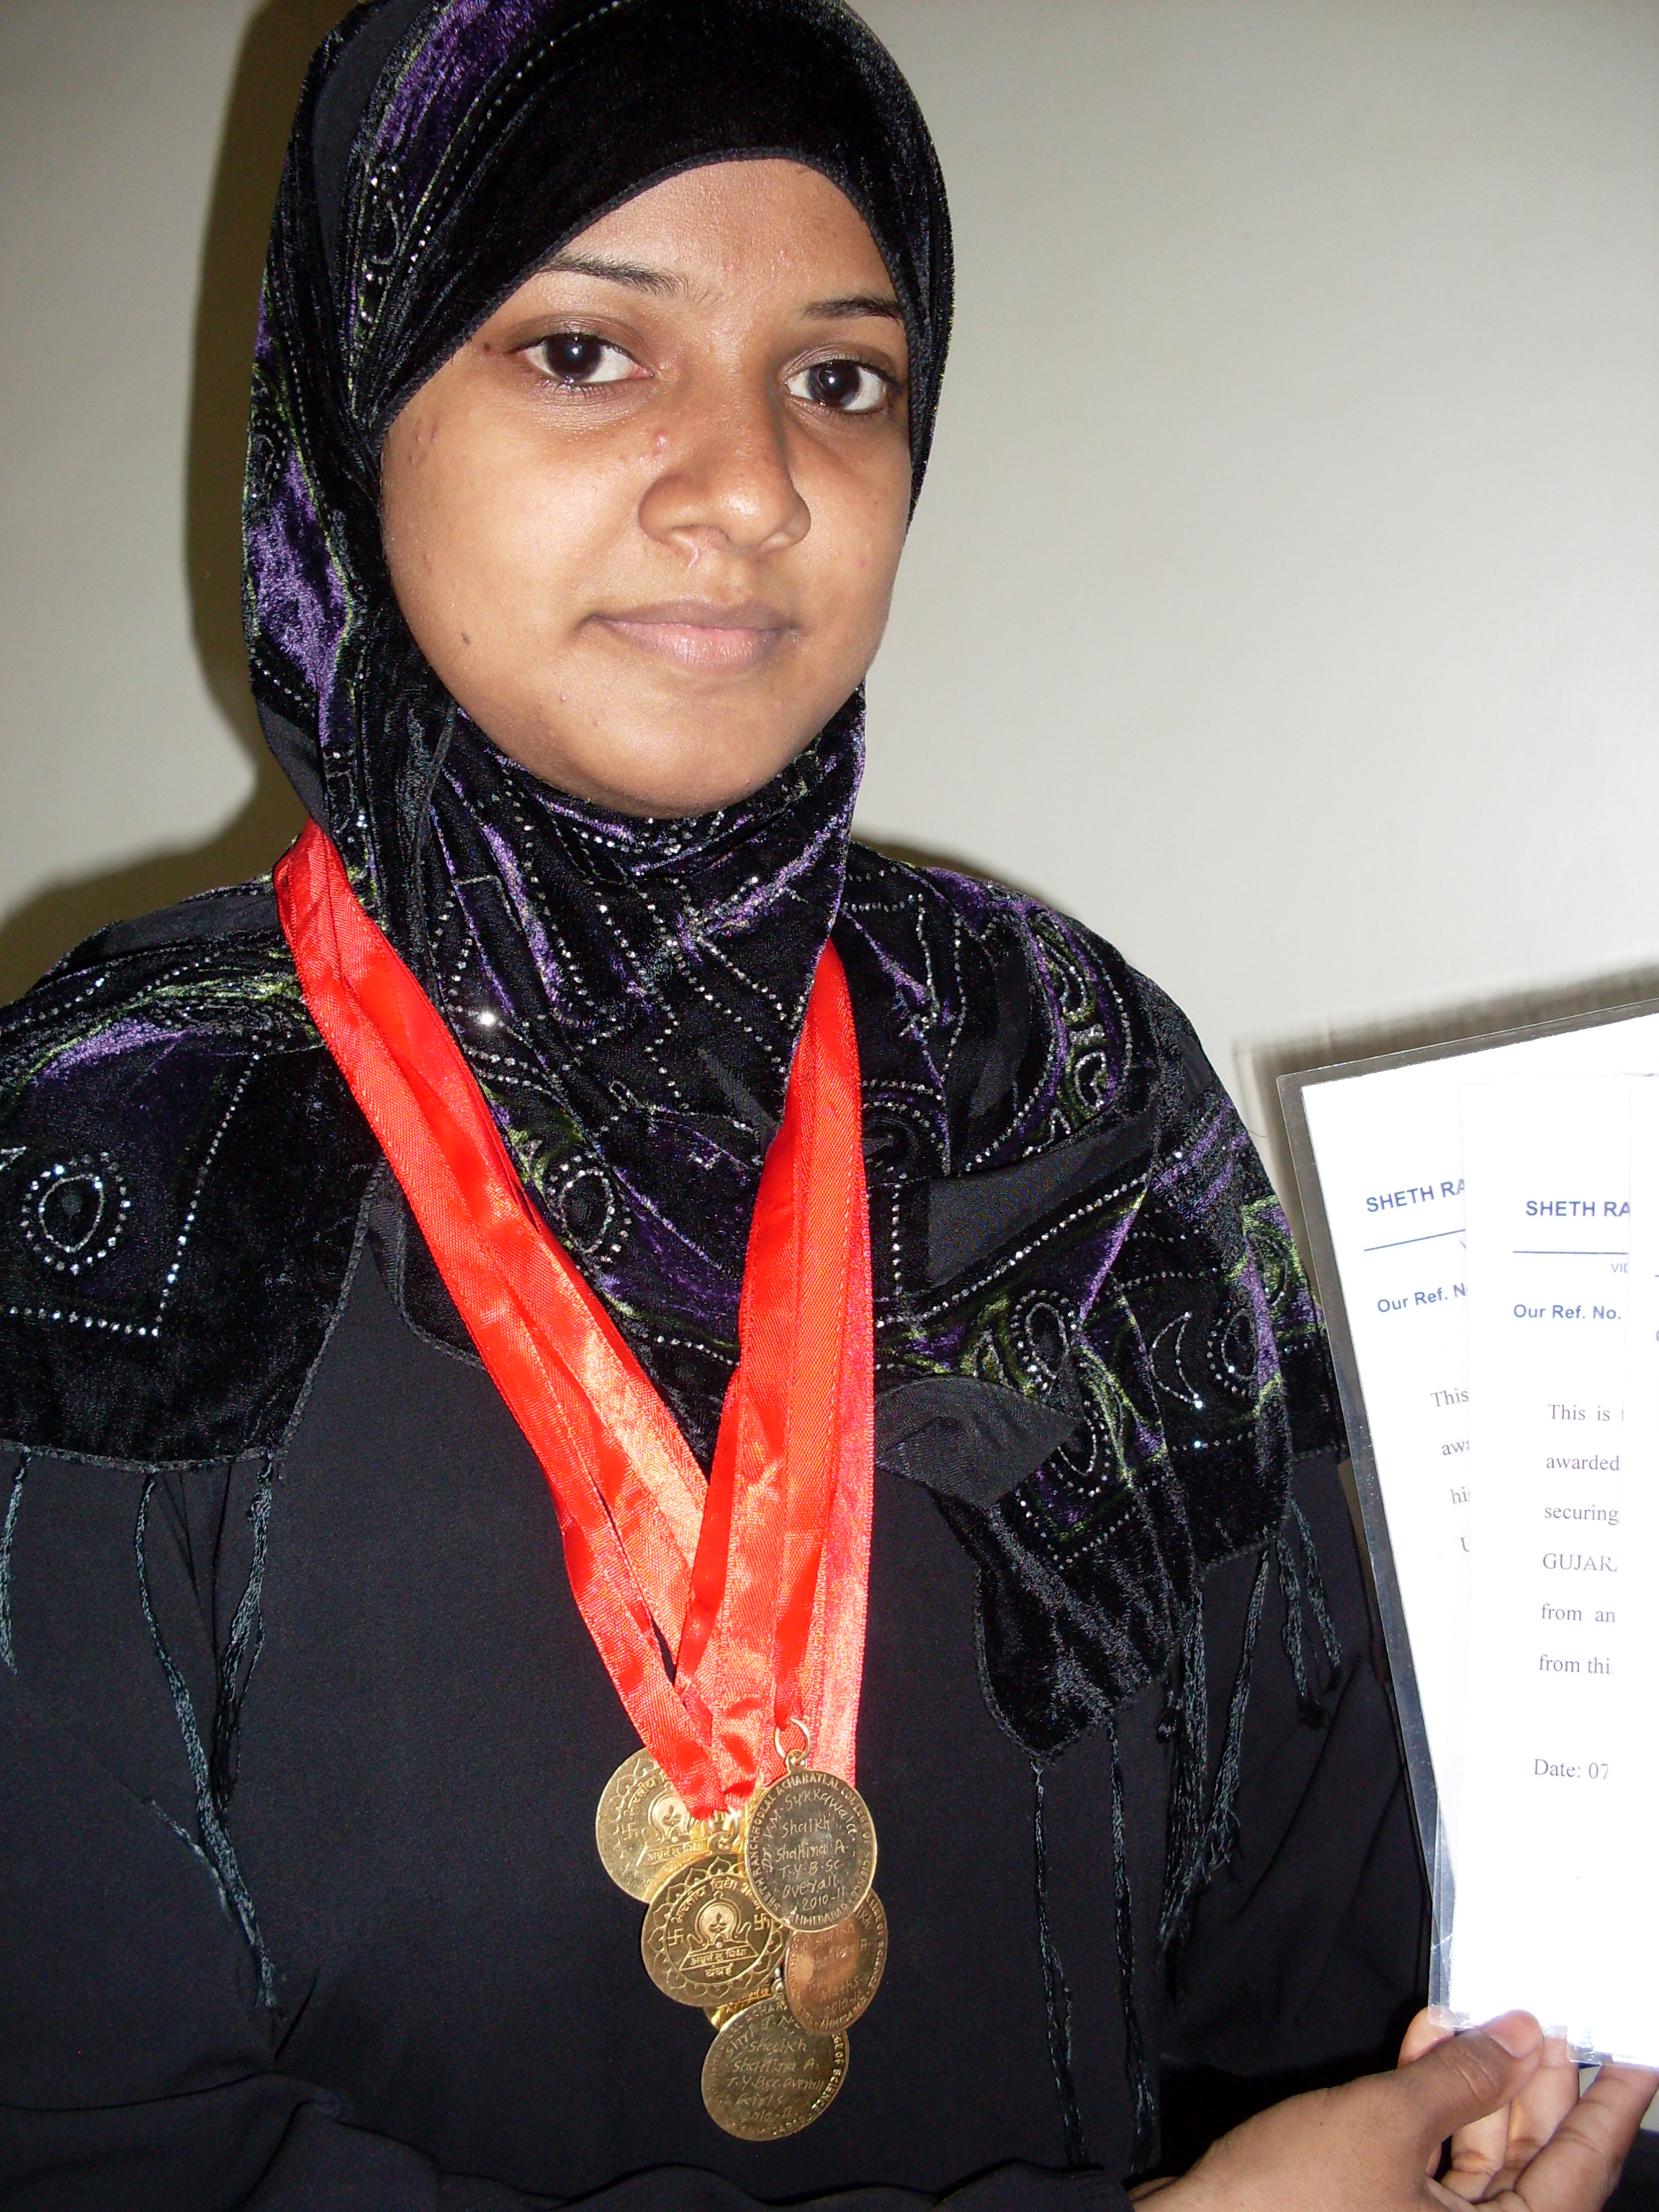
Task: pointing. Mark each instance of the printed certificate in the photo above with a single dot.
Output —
(1379, 1152)
(1549, 1765)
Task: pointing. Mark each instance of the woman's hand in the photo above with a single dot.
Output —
(1547, 2138)
(1522, 2139)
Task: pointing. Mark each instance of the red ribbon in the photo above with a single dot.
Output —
(757, 1579)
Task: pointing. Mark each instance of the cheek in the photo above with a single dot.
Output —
(860, 524)
(508, 532)
(559, 526)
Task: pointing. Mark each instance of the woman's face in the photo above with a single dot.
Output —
(645, 524)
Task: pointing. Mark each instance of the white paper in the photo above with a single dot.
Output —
(1389, 1151)
(1636, 1786)
(1551, 1772)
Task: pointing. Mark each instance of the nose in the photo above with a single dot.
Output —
(724, 482)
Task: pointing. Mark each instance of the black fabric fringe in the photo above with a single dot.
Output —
(1199, 1844)
(1138, 2073)
(242, 1652)
(8, 1654)
(1187, 1719)
(1321, 1611)
(1221, 1832)
(1056, 1995)
(214, 1836)
(1314, 1711)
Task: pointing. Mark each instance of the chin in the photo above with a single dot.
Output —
(675, 778)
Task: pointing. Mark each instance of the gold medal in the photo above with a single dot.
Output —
(809, 1849)
(766, 2077)
(705, 1941)
(830, 1979)
(643, 1828)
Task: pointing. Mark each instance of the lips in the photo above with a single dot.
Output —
(703, 634)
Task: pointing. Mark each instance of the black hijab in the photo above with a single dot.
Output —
(1094, 1341)
(629, 993)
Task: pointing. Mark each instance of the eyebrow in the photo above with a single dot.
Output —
(856, 304)
(664, 283)
(661, 281)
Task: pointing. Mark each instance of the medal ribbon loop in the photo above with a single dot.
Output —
(759, 1578)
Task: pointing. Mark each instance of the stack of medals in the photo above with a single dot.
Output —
(764, 1917)
(756, 1578)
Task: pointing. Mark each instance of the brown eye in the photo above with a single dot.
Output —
(578, 357)
(846, 387)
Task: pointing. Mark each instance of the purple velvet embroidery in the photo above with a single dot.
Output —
(453, 66)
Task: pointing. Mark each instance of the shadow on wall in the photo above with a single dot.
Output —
(265, 92)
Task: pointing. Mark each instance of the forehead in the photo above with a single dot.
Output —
(775, 222)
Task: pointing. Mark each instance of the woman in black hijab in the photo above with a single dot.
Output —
(600, 351)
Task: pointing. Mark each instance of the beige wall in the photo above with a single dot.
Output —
(122, 379)
(1284, 598)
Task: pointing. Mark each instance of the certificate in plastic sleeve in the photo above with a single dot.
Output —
(1378, 1146)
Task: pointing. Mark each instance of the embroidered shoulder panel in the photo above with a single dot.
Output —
(1094, 1339)
(181, 1173)
(1067, 1208)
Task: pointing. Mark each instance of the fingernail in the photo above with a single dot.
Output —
(1517, 2033)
